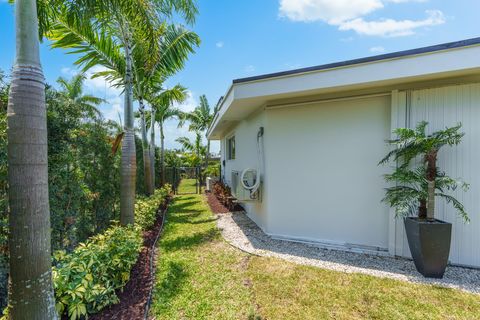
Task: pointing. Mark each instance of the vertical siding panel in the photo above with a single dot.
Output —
(442, 107)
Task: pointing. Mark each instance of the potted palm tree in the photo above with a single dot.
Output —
(417, 183)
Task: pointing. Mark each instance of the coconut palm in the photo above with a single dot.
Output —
(162, 110)
(31, 290)
(419, 185)
(72, 93)
(111, 41)
(200, 120)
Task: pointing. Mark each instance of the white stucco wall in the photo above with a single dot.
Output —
(324, 181)
(321, 182)
(247, 157)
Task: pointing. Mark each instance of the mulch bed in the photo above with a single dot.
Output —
(217, 207)
(135, 294)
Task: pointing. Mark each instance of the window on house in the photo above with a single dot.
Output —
(231, 148)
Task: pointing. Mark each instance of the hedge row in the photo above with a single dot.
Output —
(86, 279)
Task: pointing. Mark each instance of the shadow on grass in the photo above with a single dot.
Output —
(189, 218)
(188, 242)
(171, 284)
(179, 207)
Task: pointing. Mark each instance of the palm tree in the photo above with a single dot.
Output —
(110, 40)
(195, 147)
(72, 92)
(163, 110)
(416, 188)
(200, 120)
(31, 290)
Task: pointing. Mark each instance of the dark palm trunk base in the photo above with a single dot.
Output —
(135, 294)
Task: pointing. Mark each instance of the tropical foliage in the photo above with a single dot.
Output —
(3, 190)
(86, 279)
(138, 44)
(199, 122)
(418, 180)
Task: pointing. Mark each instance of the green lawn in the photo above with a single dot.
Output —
(199, 276)
(187, 186)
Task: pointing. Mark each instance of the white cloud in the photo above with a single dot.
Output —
(404, 1)
(112, 109)
(349, 15)
(378, 49)
(100, 85)
(189, 104)
(219, 44)
(332, 12)
(249, 69)
(97, 86)
(393, 28)
(101, 88)
(171, 129)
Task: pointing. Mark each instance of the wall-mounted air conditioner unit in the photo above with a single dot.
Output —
(240, 192)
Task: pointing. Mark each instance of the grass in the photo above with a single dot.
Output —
(187, 186)
(199, 276)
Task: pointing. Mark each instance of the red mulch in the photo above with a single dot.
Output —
(133, 298)
(217, 207)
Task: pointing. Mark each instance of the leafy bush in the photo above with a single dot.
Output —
(146, 207)
(86, 279)
(213, 170)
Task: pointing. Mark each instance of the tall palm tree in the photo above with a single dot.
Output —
(72, 92)
(200, 120)
(31, 290)
(163, 110)
(150, 73)
(110, 41)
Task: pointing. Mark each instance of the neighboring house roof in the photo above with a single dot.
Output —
(433, 62)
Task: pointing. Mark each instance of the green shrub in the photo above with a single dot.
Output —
(213, 170)
(86, 279)
(146, 207)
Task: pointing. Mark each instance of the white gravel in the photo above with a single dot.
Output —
(243, 233)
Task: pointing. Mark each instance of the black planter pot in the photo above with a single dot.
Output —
(429, 243)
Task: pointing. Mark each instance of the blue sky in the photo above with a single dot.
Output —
(249, 37)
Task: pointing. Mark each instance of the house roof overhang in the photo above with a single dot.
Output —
(377, 73)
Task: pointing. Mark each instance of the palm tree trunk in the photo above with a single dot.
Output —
(162, 154)
(128, 164)
(152, 146)
(431, 159)
(146, 152)
(30, 290)
(207, 157)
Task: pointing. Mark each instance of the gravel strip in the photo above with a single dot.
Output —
(244, 234)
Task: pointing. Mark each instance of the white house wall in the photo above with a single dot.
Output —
(247, 157)
(441, 107)
(324, 182)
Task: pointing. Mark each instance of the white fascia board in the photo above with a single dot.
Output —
(420, 67)
(430, 65)
(222, 108)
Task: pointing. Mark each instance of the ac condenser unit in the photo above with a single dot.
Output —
(239, 192)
